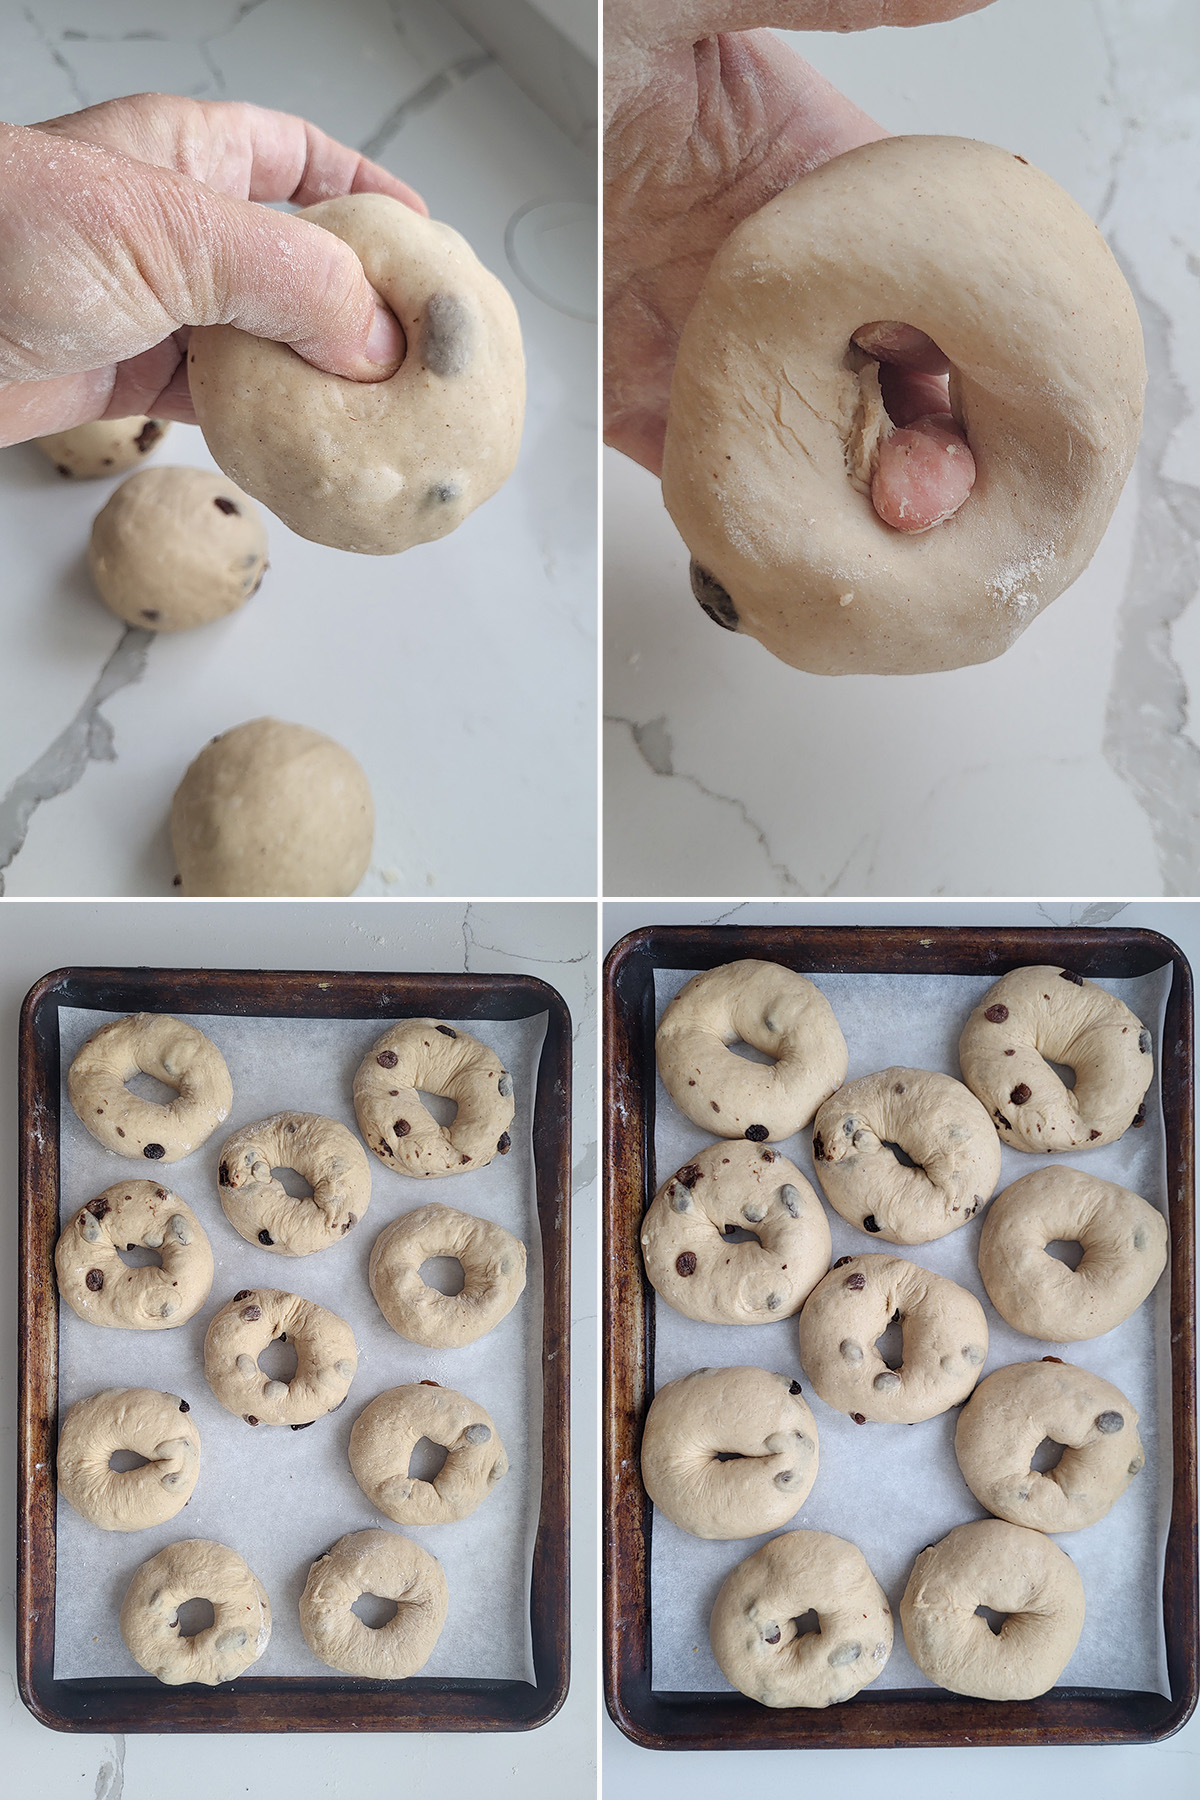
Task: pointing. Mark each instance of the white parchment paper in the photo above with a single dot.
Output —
(893, 1489)
(280, 1497)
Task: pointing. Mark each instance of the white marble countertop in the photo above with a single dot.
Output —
(1103, 1772)
(1071, 764)
(461, 674)
(556, 941)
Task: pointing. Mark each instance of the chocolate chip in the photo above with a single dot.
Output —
(148, 436)
(503, 1145)
(402, 1128)
(1053, 1359)
(250, 1418)
(1139, 1117)
(716, 602)
(1010, 1053)
(870, 1223)
(387, 1059)
(859, 1418)
(1092, 1136)
(94, 1280)
(795, 1388)
(184, 1407)
(98, 1208)
(226, 506)
(1144, 1042)
(120, 1133)
(1069, 975)
(447, 335)
(151, 613)
(857, 1281)
(223, 1174)
(446, 1031)
(1001, 1120)
(818, 1146)
(685, 1263)
(351, 1219)
(756, 1133)
(1108, 1422)
(244, 1295)
(768, 1156)
(714, 1106)
(177, 881)
(153, 1151)
(996, 1014)
(62, 468)
(842, 1261)
(264, 1237)
(251, 1313)
(790, 1199)
(689, 1175)
(1021, 1093)
(773, 1636)
(303, 1427)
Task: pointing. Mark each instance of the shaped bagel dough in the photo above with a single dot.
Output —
(775, 417)
(375, 466)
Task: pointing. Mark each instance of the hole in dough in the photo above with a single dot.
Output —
(749, 1054)
(440, 1107)
(278, 1360)
(139, 1256)
(890, 1345)
(445, 1274)
(1065, 1250)
(194, 1617)
(148, 1087)
(1046, 1457)
(425, 1463)
(995, 1620)
(737, 1234)
(374, 1611)
(728, 1456)
(808, 1624)
(122, 1461)
(292, 1184)
(1065, 1075)
(901, 1155)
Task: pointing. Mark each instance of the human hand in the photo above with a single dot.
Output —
(707, 119)
(124, 225)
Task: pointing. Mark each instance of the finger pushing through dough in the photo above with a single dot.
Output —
(924, 468)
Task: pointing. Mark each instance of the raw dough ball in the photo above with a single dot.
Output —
(105, 447)
(375, 466)
(176, 548)
(269, 808)
(775, 418)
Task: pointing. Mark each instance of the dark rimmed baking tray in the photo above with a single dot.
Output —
(900, 1717)
(284, 1703)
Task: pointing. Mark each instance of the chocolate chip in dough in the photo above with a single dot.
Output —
(714, 598)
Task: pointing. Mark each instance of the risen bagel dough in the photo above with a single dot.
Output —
(323, 1153)
(174, 548)
(1124, 1242)
(753, 1625)
(383, 1563)
(945, 1339)
(700, 1273)
(104, 1290)
(1006, 1419)
(196, 1569)
(173, 1052)
(326, 1358)
(386, 1433)
(774, 416)
(759, 1422)
(148, 1423)
(937, 1122)
(375, 466)
(427, 1055)
(1011, 1570)
(270, 808)
(493, 1266)
(1032, 1017)
(770, 1007)
(105, 447)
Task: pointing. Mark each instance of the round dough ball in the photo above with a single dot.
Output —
(775, 417)
(175, 548)
(105, 447)
(375, 466)
(270, 808)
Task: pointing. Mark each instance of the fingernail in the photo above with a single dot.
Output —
(385, 344)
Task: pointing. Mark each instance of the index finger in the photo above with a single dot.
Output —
(672, 21)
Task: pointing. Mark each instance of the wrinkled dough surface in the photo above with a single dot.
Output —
(768, 1276)
(323, 1153)
(1124, 1241)
(493, 1266)
(776, 1011)
(1009, 1415)
(769, 433)
(1033, 1017)
(429, 1055)
(196, 1569)
(753, 1624)
(375, 466)
(383, 1563)
(945, 1338)
(937, 1122)
(387, 1431)
(1020, 1573)
(271, 808)
(156, 1426)
(757, 1419)
(103, 447)
(172, 1052)
(104, 1290)
(326, 1357)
